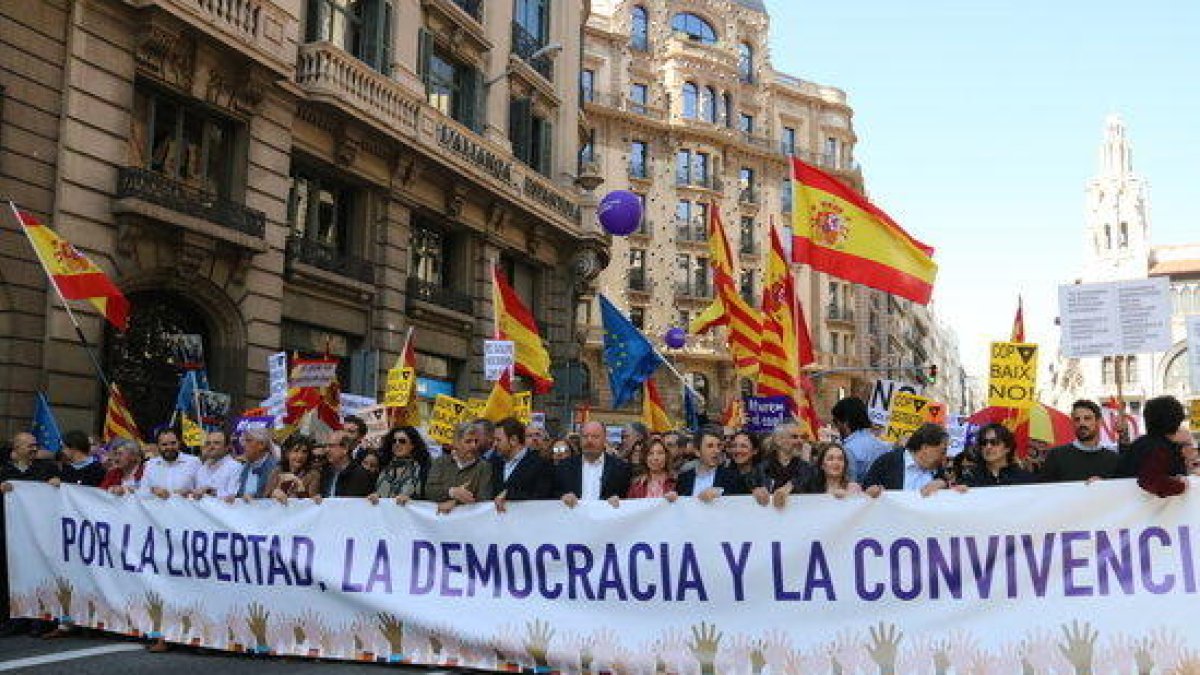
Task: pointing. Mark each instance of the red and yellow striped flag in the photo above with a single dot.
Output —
(1018, 328)
(729, 308)
(515, 322)
(74, 275)
(786, 346)
(654, 414)
(118, 421)
(839, 232)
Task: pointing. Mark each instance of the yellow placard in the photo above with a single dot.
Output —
(447, 413)
(907, 413)
(399, 387)
(1012, 376)
(193, 435)
(475, 407)
(523, 406)
(1195, 416)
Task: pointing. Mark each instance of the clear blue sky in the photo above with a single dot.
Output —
(979, 123)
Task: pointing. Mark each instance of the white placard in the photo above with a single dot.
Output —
(1120, 317)
(1193, 350)
(278, 372)
(498, 356)
(353, 404)
(881, 398)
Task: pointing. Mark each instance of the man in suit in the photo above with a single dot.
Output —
(916, 467)
(518, 473)
(595, 474)
(343, 477)
(259, 458)
(710, 478)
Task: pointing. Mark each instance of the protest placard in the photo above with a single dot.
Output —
(1012, 375)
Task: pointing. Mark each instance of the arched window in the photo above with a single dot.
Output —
(745, 62)
(690, 94)
(694, 27)
(639, 30)
(1175, 377)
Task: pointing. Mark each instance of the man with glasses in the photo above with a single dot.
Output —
(344, 478)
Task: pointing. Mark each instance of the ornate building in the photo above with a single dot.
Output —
(299, 175)
(1117, 247)
(684, 109)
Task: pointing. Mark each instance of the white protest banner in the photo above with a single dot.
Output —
(277, 372)
(881, 398)
(1120, 317)
(498, 356)
(1193, 351)
(313, 373)
(1049, 575)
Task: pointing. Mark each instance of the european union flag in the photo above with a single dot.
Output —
(627, 353)
(192, 380)
(45, 427)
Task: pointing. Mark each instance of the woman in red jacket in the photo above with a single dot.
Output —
(1157, 460)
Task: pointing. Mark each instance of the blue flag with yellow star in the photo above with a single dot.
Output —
(629, 356)
(45, 427)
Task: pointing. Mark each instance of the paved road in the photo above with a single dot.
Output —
(107, 654)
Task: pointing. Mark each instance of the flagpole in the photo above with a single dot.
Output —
(66, 305)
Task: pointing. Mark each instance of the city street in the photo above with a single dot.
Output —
(106, 654)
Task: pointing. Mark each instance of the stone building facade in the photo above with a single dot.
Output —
(298, 175)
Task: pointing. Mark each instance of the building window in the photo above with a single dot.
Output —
(1106, 365)
(643, 228)
(789, 141)
(746, 123)
(360, 27)
(785, 195)
(694, 28)
(534, 17)
(531, 136)
(746, 184)
(587, 85)
(639, 30)
(745, 62)
(637, 269)
(831, 152)
(746, 235)
(637, 316)
(639, 97)
(321, 209)
(690, 95)
(1131, 370)
(184, 142)
(746, 286)
(430, 255)
(637, 159)
(451, 87)
(700, 278)
(727, 109)
(699, 384)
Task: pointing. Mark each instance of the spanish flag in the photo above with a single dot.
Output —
(515, 322)
(786, 346)
(118, 421)
(837, 231)
(729, 308)
(654, 414)
(501, 402)
(72, 273)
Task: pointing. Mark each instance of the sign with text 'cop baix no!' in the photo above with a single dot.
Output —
(447, 413)
(498, 356)
(400, 387)
(1120, 317)
(1012, 375)
(881, 398)
(764, 413)
(908, 412)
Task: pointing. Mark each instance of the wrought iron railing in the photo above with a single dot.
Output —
(525, 45)
(836, 313)
(330, 259)
(436, 294)
(161, 190)
(691, 179)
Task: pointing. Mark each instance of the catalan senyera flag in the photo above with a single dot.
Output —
(118, 421)
(654, 414)
(1018, 327)
(515, 322)
(785, 347)
(729, 308)
(500, 403)
(74, 275)
(807, 413)
(838, 231)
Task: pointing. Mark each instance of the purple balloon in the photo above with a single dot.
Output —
(675, 338)
(620, 213)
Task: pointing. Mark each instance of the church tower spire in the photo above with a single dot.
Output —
(1117, 231)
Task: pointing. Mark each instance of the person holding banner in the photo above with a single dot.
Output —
(1156, 459)
(127, 466)
(998, 448)
(593, 474)
(786, 458)
(915, 467)
(654, 477)
(80, 466)
(172, 472)
(344, 478)
(853, 423)
(296, 476)
(1084, 459)
(402, 478)
(259, 462)
(459, 476)
(711, 478)
(518, 473)
(23, 463)
(745, 457)
(218, 473)
(829, 475)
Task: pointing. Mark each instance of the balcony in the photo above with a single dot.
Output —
(624, 104)
(330, 75)
(823, 160)
(472, 7)
(688, 231)
(258, 27)
(836, 313)
(693, 291)
(318, 255)
(748, 247)
(705, 181)
(639, 170)
(151, 194)
(439, 296)
(525, 45)
(748, 195)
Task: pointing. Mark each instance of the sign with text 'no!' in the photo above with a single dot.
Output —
(908, 412)
(881, 398)
(1012, 375)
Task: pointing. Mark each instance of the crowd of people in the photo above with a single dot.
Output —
(510, 461)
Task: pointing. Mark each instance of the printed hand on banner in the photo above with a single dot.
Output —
(154, 609)
(393, 631)
(1143, 656)
(256, 620)
(758, 656)
(298, 634)
(537, 641)
(941, 657)
(705, 642)
(91, 611)
(1079, 645)
(885, 641)
(63, 590)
